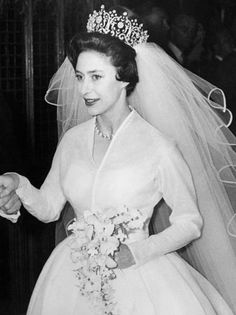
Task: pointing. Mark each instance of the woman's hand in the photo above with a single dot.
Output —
(124, 257)
(9, 201)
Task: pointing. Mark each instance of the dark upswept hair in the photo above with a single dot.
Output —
(122, 55)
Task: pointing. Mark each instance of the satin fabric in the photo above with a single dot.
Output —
(140, 167)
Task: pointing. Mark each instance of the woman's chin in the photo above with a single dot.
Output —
(93, 111)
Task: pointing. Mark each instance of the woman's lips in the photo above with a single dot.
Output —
(90, 101)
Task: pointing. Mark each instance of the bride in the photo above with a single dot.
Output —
(136, 129)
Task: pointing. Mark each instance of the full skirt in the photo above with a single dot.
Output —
(163, 286)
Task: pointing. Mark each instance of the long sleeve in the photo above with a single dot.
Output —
(47, 202)
(177, 189)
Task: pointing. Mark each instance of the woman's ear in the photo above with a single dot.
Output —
(123, 84)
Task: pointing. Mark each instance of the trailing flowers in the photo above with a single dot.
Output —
(96, 238)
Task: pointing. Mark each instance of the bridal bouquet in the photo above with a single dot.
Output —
(96, 238)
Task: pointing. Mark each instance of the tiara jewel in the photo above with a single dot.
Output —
(120, 26)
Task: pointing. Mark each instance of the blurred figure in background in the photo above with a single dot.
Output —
(157, 23)
(186, 41)
(221, 45)
(221, 69)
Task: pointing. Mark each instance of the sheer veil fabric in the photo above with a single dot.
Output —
(178, 103)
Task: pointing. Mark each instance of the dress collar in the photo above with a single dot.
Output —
(122, 126)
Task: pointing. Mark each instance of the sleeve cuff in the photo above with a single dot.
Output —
(134, 248)
(23, 184)
(22, 187)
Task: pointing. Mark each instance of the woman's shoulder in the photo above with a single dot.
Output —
(157, 138)
(77, 134)
(79, 129)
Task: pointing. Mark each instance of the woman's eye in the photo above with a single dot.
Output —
(79, 77)
(96, 77)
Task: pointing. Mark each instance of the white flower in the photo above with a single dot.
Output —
(93, 251)
(119, 219)
(109, 245)
(121, 236)
(93, 283)
(110, 213)
(108, 229)
(136, 223)
(111, 263)
(95, 239)
(89, 231)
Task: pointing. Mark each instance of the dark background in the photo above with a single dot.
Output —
(33, 37)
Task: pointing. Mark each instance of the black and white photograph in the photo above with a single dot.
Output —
(117, 157)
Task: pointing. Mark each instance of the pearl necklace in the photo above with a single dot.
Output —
(101, 134)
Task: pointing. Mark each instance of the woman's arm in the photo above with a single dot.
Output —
(177, 188)
(45, 203)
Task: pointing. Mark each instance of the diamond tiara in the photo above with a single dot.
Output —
(120, 26)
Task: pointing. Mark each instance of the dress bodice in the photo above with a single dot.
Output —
(140, 167)
(127, 175)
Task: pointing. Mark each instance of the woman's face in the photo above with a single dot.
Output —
(97, 83)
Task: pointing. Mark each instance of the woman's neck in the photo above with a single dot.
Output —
(108, 123)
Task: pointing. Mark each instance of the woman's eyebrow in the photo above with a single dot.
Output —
(89, 72)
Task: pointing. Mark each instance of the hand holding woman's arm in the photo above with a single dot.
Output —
(46, 202)
(9, 201)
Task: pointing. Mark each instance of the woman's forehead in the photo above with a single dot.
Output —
(90, 60)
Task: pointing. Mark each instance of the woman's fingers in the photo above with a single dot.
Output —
(5, 199)
(13, 205)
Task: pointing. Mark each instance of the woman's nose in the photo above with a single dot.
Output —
(85, 86)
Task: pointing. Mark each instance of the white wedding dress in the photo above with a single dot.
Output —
(140, 168)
